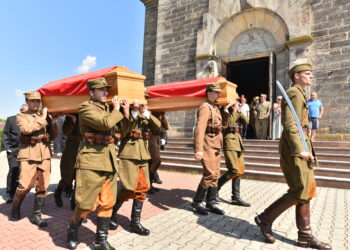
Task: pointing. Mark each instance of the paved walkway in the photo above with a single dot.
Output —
(172, 223)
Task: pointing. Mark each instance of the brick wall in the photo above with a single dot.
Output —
(330, 53)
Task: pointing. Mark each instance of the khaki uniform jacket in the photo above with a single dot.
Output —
(233, 140)
(34, 125)
(96, 117)
(207, 114)
(290, 142)
(264, 109)
(136, 149)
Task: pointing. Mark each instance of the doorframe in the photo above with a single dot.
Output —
(272, 75)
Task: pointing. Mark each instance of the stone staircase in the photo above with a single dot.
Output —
(262, 160)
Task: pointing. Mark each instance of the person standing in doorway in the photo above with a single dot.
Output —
(262, 121)
(244, 109)
(253, 117)
(277, 125)
(316, 112)
(296, 165)
(10, 144)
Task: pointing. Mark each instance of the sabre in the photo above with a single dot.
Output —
(296, 119)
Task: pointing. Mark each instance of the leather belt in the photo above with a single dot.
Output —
(93, 138)
(28, 139)
(233, 129)
(138, 134)
(213, 129)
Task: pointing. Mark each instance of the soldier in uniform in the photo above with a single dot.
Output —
(96, 164)
(208, 144)
(154, 149)
(232, 120)
(134, 164)
(295, 165)
(71, 130)
(37, 130)
(262, 120)
(252, 116)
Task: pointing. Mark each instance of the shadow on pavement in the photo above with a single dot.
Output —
(235, 227)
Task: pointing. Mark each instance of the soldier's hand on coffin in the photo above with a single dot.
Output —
(44, 112)
(136, 105)
(229, 105)
(198, 156)
(115, 102)
(126, 107)
(305, 156)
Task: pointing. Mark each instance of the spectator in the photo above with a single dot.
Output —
(10, 144)
(315, 113)
(262, 121)
(277, 126)
(244, 110)
(253, 114)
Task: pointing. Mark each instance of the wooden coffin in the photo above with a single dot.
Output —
(125, 84)
(164, 104)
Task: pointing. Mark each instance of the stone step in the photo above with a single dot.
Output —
(340, 144)
(321, 181)
(269, 167)
(323, 162)
(260, 147)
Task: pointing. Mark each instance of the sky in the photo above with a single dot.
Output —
(42, 41)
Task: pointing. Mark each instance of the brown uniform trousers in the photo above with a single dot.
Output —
(134, 157)
(96, 164)
(34, 158)
(154, 144)
(209, 143)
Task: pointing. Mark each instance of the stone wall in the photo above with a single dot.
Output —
(150, 41)
(330, 54)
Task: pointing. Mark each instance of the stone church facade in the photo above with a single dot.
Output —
(252, 43)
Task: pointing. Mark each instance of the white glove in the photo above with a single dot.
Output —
(147, 114)
(162, 141)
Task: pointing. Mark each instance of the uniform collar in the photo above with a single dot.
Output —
(301, 89)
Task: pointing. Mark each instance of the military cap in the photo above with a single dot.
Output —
(256, 98)
(298, 68)
(263, 95)
(279, 97)
(97, 83)
(213, 87)
(33, 95)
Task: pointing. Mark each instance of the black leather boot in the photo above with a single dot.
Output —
(58, 194)
(156, 178)
(72, 200)
(236, 194)
(16, 205)
(197, 203)
(72, 236)
(211, 204)
(38, 205)
(265, 219)
(152, 189)
(222, 180)
(135, 225)
(305, 236)
(113, 224)
(101, 242)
